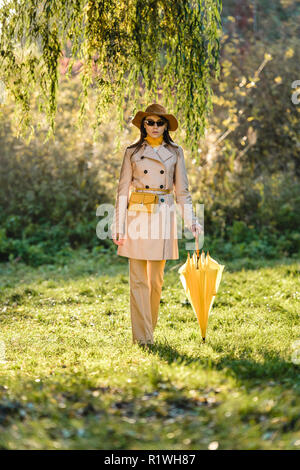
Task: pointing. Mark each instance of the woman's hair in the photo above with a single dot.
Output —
(166, 136)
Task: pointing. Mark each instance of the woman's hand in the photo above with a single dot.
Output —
(197, 229)
(118, 239)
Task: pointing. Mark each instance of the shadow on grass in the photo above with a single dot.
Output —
(272, 368)
(83, 264)
(247, 263)
(252, 264)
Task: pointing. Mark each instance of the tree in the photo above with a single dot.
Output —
(132, 52)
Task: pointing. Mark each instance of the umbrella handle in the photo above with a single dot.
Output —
(197, 246)
(197, 249)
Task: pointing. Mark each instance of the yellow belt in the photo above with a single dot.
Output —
(166, 191)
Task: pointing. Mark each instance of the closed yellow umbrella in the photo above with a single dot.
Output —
(201, 277)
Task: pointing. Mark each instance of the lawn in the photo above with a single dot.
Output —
(70, 377)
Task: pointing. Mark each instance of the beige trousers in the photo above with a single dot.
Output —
(146, 281)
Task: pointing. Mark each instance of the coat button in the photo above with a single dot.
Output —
(161, 186)
(162, 199)
(145, 171)
(147, 186)
(162, 171)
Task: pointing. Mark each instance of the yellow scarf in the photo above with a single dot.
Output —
(154, 141)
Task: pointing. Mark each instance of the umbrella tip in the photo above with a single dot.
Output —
(203, 340)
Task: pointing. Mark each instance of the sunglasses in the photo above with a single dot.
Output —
(151, 123)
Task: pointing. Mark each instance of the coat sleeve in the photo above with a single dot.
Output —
(182, 194)
(118, 224)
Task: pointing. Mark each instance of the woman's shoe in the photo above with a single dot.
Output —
(145, 345)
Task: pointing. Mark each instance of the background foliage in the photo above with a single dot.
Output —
(245, 170)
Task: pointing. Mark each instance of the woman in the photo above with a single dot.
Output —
(153, 165)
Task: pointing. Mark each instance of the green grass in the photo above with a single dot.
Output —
(72, 379)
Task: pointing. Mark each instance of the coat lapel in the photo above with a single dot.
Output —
(161, 155)
(164, 152)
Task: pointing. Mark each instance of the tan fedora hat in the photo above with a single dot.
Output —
(158, 109)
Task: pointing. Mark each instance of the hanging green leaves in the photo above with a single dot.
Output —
(130, 54)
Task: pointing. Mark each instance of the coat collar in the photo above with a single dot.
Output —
(161, 155)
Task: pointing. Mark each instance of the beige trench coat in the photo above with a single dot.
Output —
(153, 236)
